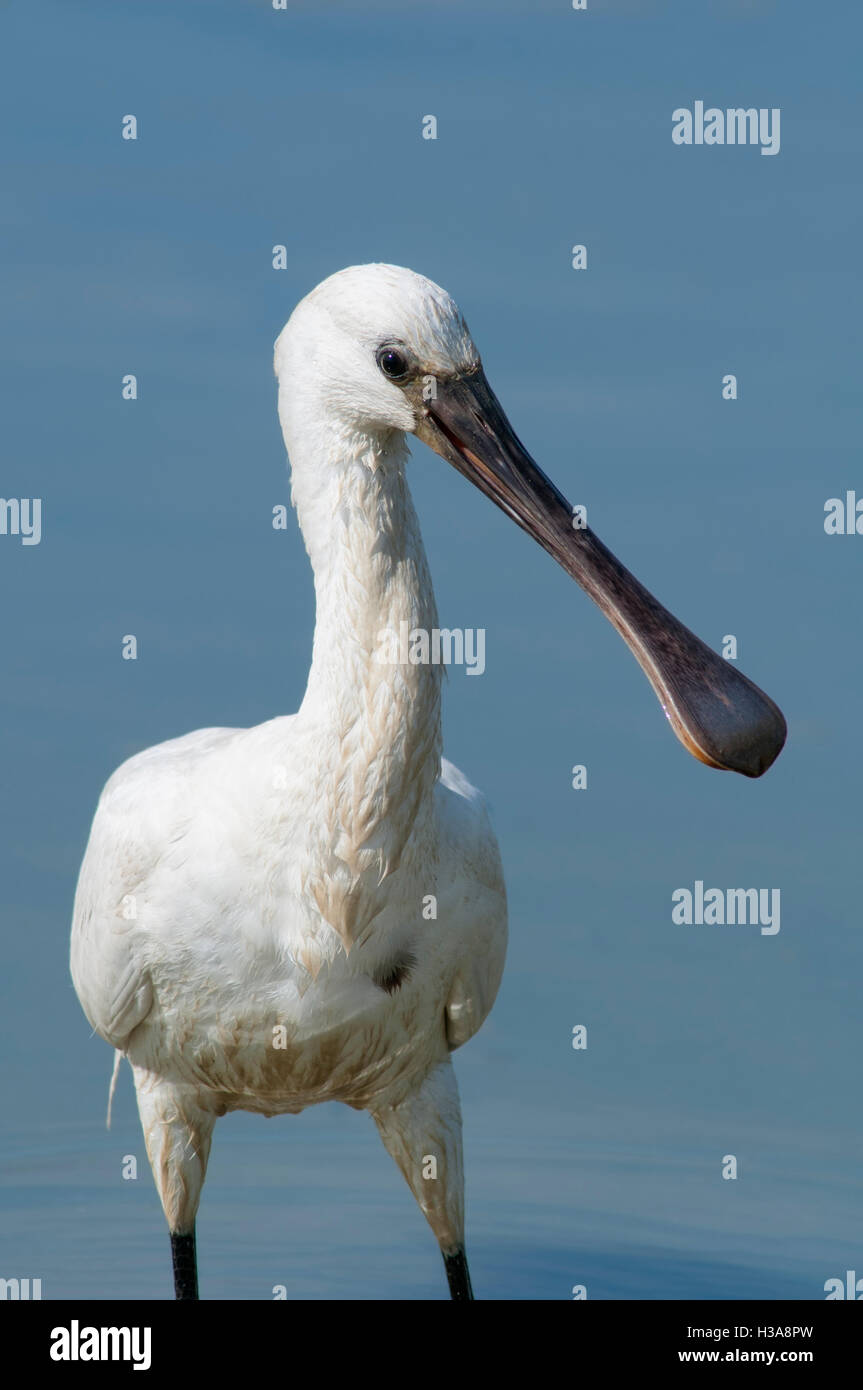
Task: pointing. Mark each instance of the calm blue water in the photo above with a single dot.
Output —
(600, 1167)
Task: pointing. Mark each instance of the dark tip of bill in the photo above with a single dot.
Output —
(744, 735)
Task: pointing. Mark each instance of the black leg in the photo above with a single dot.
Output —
(185, 1266)
(458, 1275)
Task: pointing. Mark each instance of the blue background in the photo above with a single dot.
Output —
(257, 127)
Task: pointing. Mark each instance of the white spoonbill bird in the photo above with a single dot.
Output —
(255, 923)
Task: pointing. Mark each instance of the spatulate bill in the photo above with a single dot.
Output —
(720, 716)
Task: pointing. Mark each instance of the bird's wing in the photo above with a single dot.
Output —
(138, 822)
(472, 898)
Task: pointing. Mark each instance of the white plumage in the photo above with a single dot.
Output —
(239, 882)
(314, 909)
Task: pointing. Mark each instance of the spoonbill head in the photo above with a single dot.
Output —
(314, 909)
(380, 349)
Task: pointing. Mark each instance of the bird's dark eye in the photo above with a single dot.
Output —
(393, 363)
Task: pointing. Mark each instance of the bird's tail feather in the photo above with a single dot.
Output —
(118, 1057)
